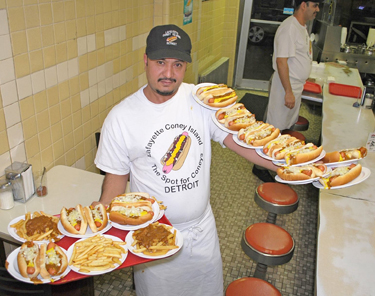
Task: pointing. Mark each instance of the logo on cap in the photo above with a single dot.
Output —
(172, 37)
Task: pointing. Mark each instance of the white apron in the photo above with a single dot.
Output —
(278, 114)
(199, 261)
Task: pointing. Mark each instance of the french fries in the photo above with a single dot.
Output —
(97, 253)
(154, 240)
(160, 203)
(38, 226)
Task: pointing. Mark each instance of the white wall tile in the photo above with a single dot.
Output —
(82, 45)
(12, 115)
(62, 72)
(18, 153)
(101, 89)
(142, 80)
(7, 70)
(9, 93)
(116, 80)
(4, 28)
(85, 98)
(122, 33)
(24, 87)
(5, 161)
(5, 48)
(122, 77)
(38, 81)
(129, 73)
(91, 42)
(15, 135)
(73, 68)
(107, 37)
(100, 73)
(51, 76)
(93, 93)
(81, 164)
(108, 85)
(108, 69)
(92, 77)
(115, 35)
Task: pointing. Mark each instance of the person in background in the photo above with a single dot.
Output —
(291, 60)
(135, 138)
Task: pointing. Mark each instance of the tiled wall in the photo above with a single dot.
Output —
(65, 63)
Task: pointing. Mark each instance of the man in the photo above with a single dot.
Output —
(135, 138)
(292, 59)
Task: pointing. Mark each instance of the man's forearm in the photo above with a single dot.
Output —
(113, 185)
(283, 70)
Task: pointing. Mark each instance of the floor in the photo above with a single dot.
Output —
(238, 184)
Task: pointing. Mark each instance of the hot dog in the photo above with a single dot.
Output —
(28, 260)
(53, 260)
(74, 220)
(345, 154)
(262, 136)
(96, 217)
(131, 208)
(278, 152)
(304, 172)
(280, 141)
(236, 109)
(341, 176)
(251, 128)
(176, 154)
(217, 95)
(240, 121)
(303, 154)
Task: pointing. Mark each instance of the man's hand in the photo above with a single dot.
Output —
(290, 100)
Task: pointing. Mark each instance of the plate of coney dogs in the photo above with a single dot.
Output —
(214, 96)
(303, 174)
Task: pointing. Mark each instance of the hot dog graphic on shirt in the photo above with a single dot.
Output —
(176, 154)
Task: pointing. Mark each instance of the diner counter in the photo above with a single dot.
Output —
(346, 231)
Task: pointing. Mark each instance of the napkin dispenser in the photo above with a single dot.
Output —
(21, 176)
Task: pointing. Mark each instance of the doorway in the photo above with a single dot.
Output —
(259, 24)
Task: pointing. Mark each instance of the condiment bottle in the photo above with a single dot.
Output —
(6, 195)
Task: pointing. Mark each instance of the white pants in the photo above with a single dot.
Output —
(278, 114)
(195, 270)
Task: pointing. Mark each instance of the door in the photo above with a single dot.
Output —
(259, 24)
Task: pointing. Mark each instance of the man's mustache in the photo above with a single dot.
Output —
(168, 79)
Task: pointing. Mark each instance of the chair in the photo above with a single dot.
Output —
(250, 286)
(10, 286)
(276, 199)
(268, 245)
(302, 124)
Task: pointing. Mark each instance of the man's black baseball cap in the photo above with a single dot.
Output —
(168, 41)
(298, 2)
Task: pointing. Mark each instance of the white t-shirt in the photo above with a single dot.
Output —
(137, 134)
(292, 41)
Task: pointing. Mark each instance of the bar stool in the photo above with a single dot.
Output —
(276, 198)
(268, 245)
(249, 286)
(302, 124)
(293, 133)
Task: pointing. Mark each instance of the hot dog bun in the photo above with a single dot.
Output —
(131, 209)
(218, 95)
(341, 176)
(74, 220)
(303, 154)
(299, 173)
(279, 152)
(96, 217)
(240, 121)
(236, 109)
(28, 260)
(53, 260)
(345, 154)
(176, 154)
(278, 142)
(251, 128)
(262, 136)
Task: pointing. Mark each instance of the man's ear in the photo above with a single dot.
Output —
(145, 59)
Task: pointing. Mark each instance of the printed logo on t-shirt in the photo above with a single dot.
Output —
(181, 138)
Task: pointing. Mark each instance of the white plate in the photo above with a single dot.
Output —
(283, 163)
(301, 182)
(222, 126)
(155, 208)
(88, 233)
(14, 271)
(362, 177)
(243, 144)
(262, 154)
(201, 102)
(122, 259)
(342, 163)
(179, 242)
(13, 233)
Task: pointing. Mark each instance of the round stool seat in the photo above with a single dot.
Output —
(295, 134)
(276, 198)
(250, 286)
(302, 124)
(268, 244)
